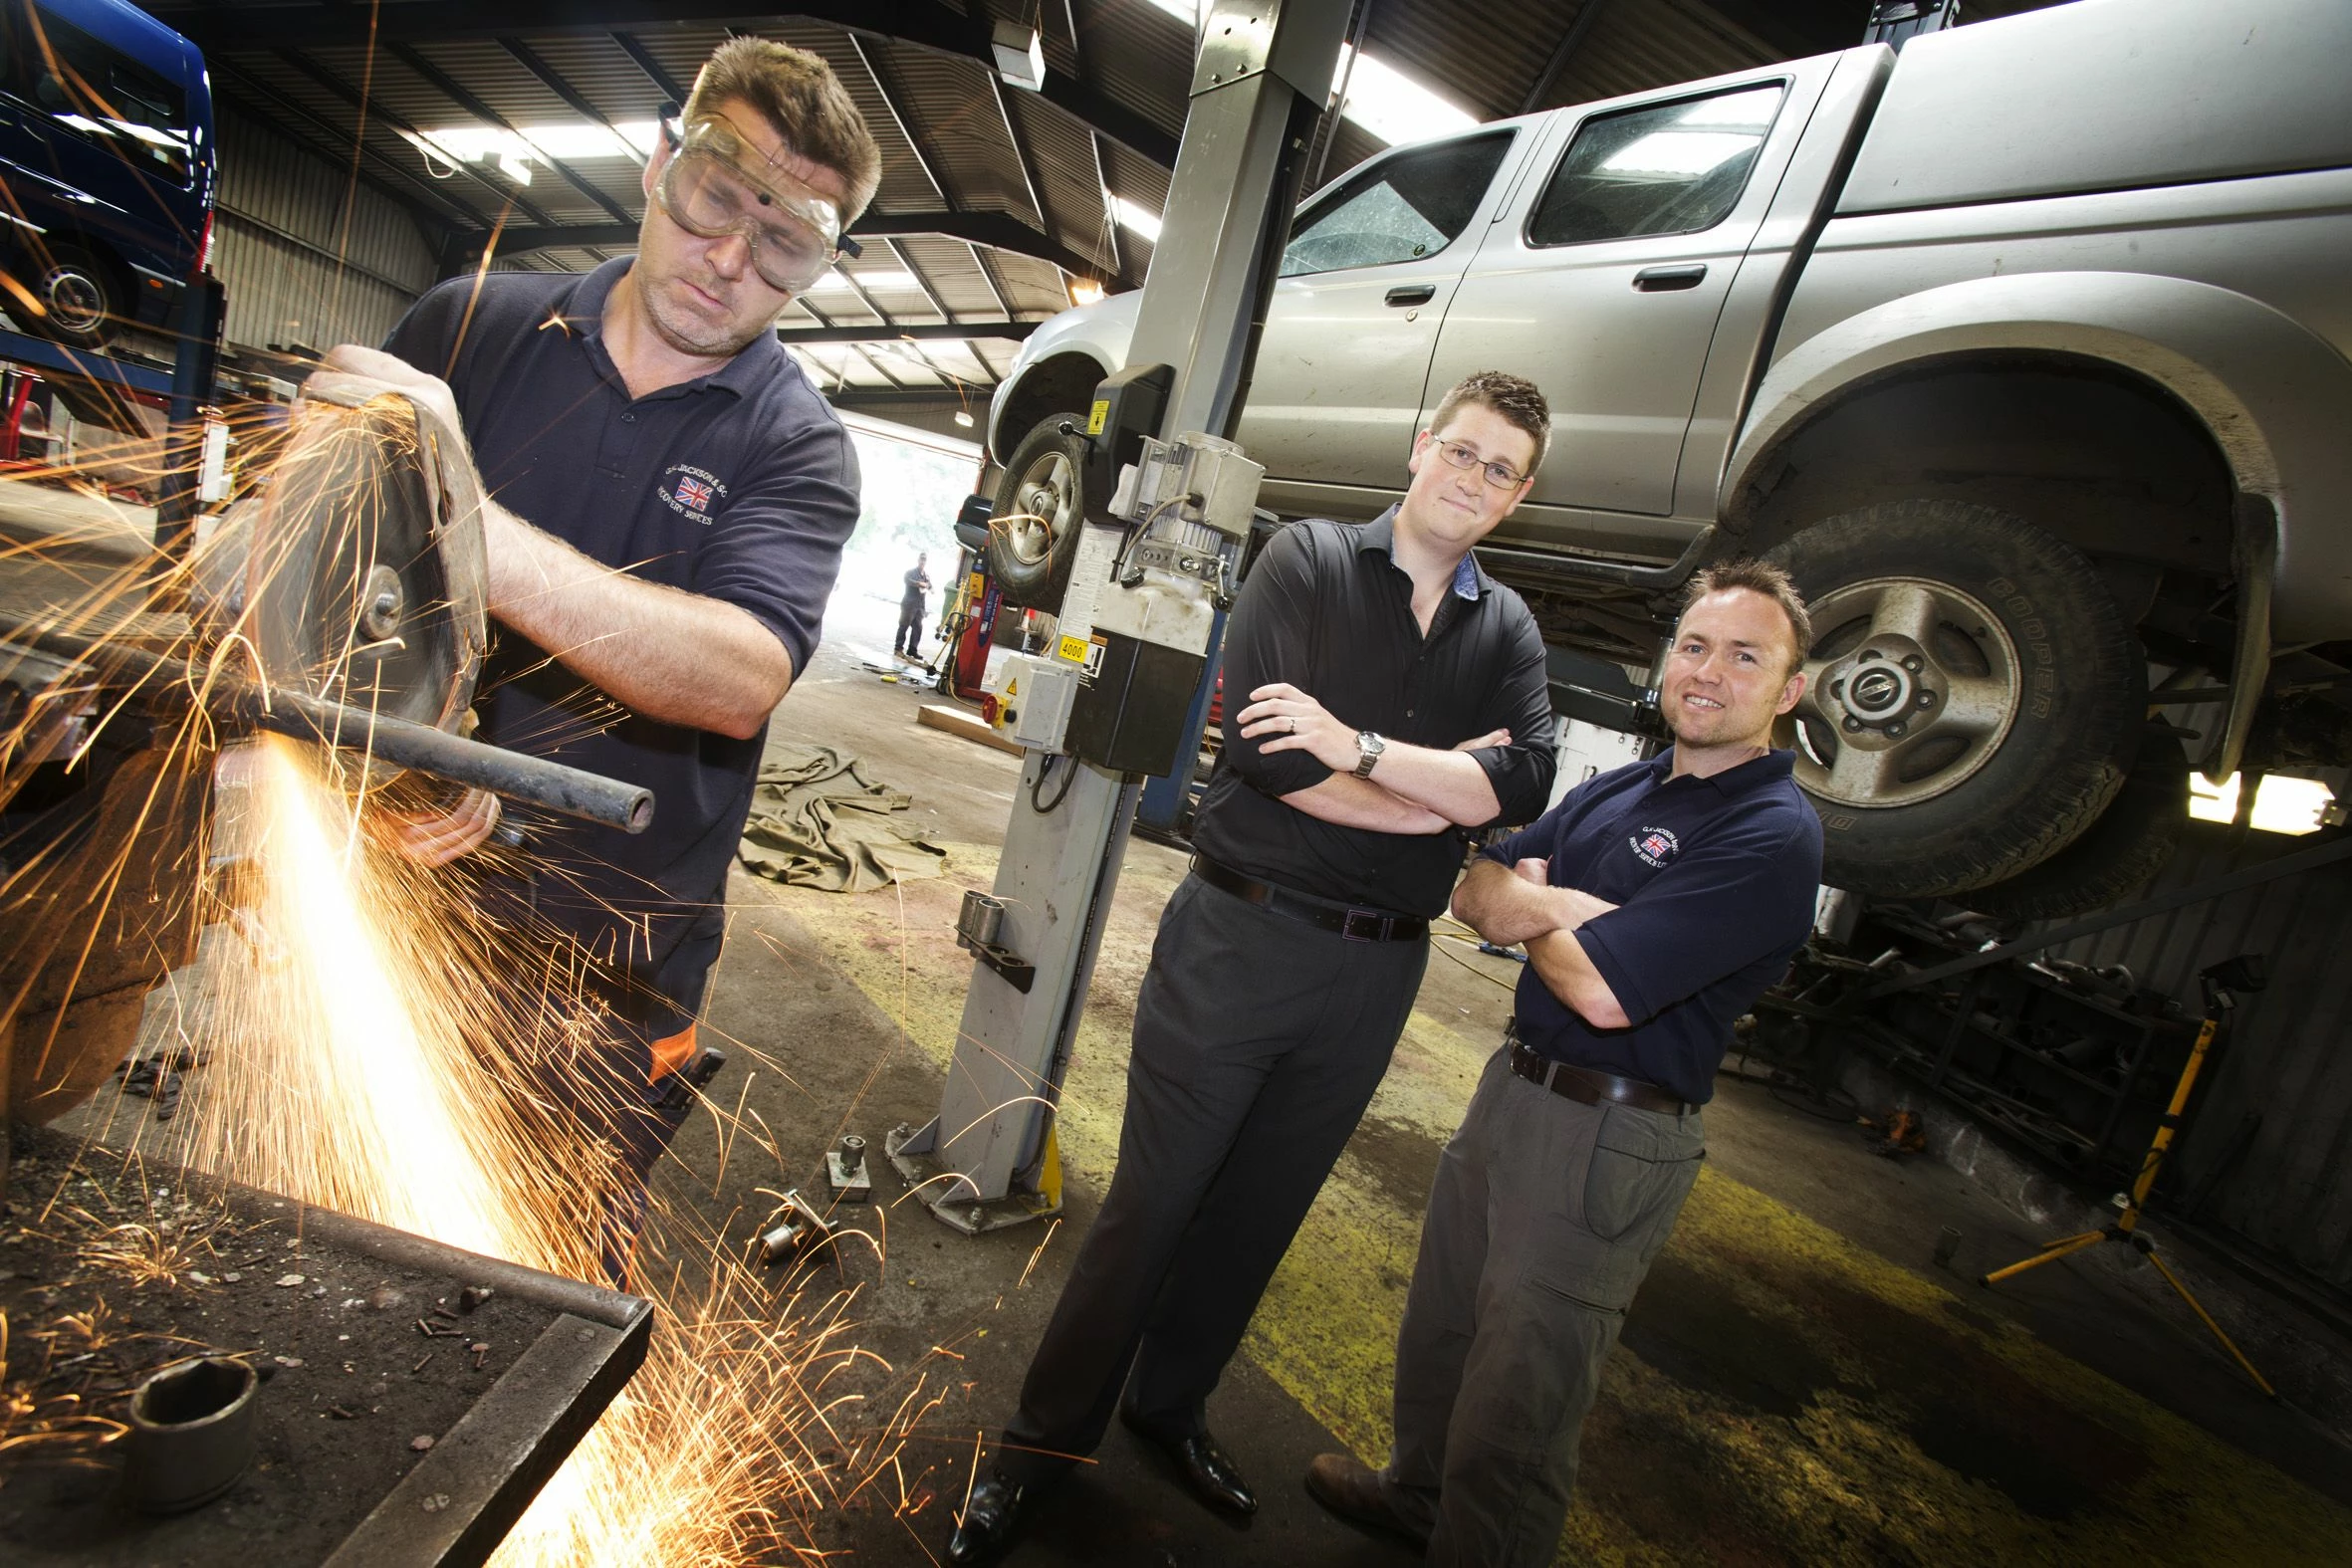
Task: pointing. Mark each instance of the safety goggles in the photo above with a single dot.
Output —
(793, 233)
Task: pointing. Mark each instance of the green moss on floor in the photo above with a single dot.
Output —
(1782, 1395)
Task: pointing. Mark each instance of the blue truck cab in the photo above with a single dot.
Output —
(107, 162)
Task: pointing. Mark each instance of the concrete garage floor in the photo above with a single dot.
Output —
(1798, 1382)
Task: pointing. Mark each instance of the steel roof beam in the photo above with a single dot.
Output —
(922, 282)
(350, 94)
(927, 24)
(259, 101)
(918, 332)
(655, 72)
(466, 99)
(998, 231)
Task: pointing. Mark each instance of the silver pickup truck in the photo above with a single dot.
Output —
(2024, 350)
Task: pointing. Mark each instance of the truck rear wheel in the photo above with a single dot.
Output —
(2118, 856)
(1033, 536)
(1974, 697)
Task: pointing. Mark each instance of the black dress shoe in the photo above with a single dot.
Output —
(1207, 1470)
(990, 1524)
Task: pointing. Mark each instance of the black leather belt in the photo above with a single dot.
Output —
(1356, 925)
(1590, 1088)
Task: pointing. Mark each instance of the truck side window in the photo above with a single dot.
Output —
(107, 98)
(1400, 209)
(1675, 168)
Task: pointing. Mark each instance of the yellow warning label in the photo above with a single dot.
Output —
(1072, 650)
(1012, 688)
(1101, 417)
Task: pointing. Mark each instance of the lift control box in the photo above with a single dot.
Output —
(1031, 698)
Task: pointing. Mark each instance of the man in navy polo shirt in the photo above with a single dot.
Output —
(1657, 902)
(669, 498)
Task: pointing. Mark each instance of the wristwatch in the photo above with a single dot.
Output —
(1368, 747)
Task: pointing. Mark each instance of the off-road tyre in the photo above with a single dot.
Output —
(1033, 533)
(2118, 856)
(1975, 700)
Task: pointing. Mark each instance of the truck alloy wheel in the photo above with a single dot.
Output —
(1974, 698)
(1040, 504)
(1912, 693)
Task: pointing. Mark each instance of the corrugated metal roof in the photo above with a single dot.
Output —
(1638, 45)
(1138, 55)
(948, 144)
(950, 110)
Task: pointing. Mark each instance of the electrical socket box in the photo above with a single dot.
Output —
(1033, 699)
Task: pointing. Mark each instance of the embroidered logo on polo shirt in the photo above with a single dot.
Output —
(1655, 845)
(690, 492)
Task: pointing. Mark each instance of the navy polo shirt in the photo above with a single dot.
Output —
(1715, 881)
(740, 486)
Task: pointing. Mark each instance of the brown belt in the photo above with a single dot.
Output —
(1590, 1088)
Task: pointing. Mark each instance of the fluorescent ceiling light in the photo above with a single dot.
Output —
(1141, 219)
(868, 281)
(1392, 106)
(579, 142)
(1380, 99)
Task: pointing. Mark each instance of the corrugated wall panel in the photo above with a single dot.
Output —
(2283, 1181)
(299, 262)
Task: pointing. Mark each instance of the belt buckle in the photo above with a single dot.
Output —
(1373, 926)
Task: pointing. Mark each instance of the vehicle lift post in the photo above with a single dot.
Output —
(1261, 79)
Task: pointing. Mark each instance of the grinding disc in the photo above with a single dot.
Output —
(364, 578)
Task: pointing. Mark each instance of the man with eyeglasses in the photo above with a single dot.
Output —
(669, 500)
(1396, 702)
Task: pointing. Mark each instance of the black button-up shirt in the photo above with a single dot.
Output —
(740, 486)
(1328, 611)
(1714, 879)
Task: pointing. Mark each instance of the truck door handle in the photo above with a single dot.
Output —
(1411, 294)
(1668, 280)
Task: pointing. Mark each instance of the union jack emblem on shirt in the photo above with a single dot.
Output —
(691, 491)
(1654, 845)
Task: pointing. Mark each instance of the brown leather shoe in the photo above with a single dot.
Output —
(1344, 1484)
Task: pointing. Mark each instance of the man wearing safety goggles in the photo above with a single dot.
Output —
(671, 498)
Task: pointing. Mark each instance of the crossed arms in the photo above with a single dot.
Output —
(1518, 905)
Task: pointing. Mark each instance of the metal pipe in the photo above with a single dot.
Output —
(407, 744)
(401, 742)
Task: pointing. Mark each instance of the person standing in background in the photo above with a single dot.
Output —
(911, 610)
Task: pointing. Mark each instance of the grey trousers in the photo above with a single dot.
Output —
(1542, 1220)
(1258, 1040)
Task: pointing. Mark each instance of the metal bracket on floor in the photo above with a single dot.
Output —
(949, 1195)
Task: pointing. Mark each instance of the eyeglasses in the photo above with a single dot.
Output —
(793, 233)
(1501, 475)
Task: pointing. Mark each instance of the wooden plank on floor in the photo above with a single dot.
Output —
(955, 721)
